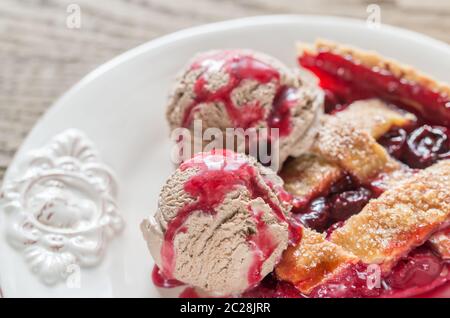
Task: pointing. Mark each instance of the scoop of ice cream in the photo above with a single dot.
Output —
(221, 223)
(246, 89)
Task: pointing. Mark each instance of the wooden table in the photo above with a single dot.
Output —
(40, 57)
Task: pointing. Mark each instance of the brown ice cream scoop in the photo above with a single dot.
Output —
(221, 223)
(246, 89)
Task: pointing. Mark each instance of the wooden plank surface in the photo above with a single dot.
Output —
(40, 57)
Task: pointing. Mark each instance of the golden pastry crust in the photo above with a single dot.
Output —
(312, 261)
(309, 175)
(352, 149)
(375, 116)
(387, 180)
(372, 59)
(402, 218)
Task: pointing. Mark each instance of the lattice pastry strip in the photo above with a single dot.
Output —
(372, 59)
(375, 117)
(313, 261)
(309, 175)
(352, 149)
(402, 218)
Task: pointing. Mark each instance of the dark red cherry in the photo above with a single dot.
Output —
(394, 142)
(333, 228)
(426, 145)
(421, 267)
(317, 215)
(332, 102)
(348, 203)
(344, 184)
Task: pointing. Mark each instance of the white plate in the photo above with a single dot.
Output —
(121, 106)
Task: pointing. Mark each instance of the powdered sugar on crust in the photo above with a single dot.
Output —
(353, 149)
(375, 116)
(402, 218)
(440, 242)
(308, 175)
(313, 261)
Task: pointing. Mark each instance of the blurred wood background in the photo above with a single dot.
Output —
(40, 57)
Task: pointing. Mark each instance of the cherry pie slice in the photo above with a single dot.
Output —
(361, 185)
